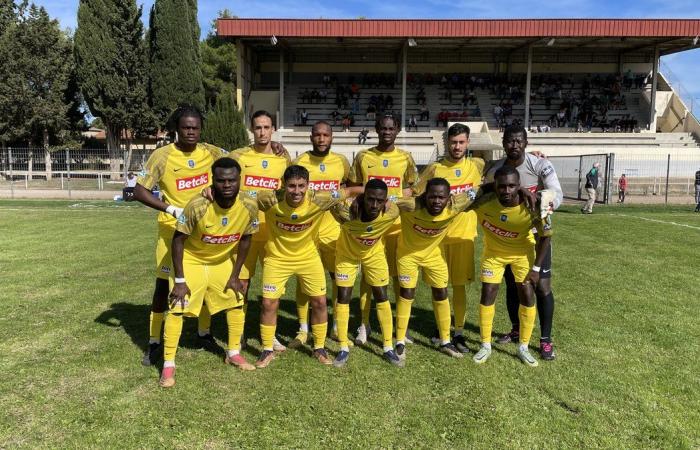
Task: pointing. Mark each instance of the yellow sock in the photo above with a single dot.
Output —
(204, 320)
(527, 316)
(302, 307)
(173, 330)
(319, 331)
(486, 314)
(235, 319)
(403, 314)
(441, 309)
(385, 322)
(155, 326)
(459, 302)
(267, 335)
(342, 318)
(365, 301)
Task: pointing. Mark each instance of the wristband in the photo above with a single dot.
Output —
(170, 210)
(534, 269)
(180, 280)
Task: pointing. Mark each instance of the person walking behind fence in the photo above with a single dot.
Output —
(621, 189)
(591, 186)
(697, 191)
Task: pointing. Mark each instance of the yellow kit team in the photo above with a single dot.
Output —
(299, 219)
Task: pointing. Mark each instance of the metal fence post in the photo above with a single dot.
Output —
(68, 172)
(580, 168)
(12, 177)
(668, 170)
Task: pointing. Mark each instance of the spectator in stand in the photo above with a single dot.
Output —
(346, 122)
(371, 112)
(355, 90)
(591, 188)
(561, 118)
(477, 112)
(697, 191)
(326, 80)
(334, 116)
(412, 123)
(621, 189)
(355, 106)
(304, 116)
(323, 95)
(362, 137)
(314, 96)
(389, 102)
(424, 112)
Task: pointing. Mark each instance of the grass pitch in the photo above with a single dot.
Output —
(76, 287)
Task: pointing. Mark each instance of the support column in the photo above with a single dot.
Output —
(403, 85)
(280, 116)
(528, 81)
(240, 71)
(654, 80)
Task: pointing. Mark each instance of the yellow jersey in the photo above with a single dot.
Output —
(260, 172)
(463, 175)
(293, 229)
(326, 173)
(396, 168)
(359, 240)
(508, 229)
(181, 176)
(422, 232)
(214, 232)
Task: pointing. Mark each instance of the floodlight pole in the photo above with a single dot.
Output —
(654, 82)
(280, 118)
(528, 81)
(403, 84)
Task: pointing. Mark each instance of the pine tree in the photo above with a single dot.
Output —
(175, 62)
(112, 67)
(224, 125)
(218, 62)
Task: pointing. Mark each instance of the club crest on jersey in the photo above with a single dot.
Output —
(190, 162)
(504, 218)
(458, 172)
(335, 194)
(393, 198)
(369, 229)
(264, 164)
(224, 221)
(322, 167)
(385, 163)
(182, 219)
(295, 216)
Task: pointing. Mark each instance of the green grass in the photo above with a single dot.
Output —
(76, 287)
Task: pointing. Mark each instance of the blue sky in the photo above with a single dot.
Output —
(684, 66)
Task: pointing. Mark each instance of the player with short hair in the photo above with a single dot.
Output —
(463, 173)
(180, 170)
(294, 215)
(328, 171)
(206, 269)
(361, 244)
(509, 241)
(424, 224)
(535, 174)
(397, 169)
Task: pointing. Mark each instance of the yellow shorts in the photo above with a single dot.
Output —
(492, 267)
(374, 269)
(434, 269)
(164, 260)
(460, 262)
(207, 283)
(327, 252)
(256, 253)
(309, 273)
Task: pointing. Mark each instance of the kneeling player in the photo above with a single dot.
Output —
(424, 222)
(293, 215)
(508, 240)
(206, 235)
(361, 243)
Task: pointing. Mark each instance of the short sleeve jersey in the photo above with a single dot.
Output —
(293, 229)
(508, 230)
(214, 232)
(463, 175)
(260, 172)
(396, 168)
(422, 232)
(535, 174)
(360, 239)
(181, 176)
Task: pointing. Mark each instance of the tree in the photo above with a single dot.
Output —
(111, 60)
(224, 125)
(218, 62)
(8, 14)
(175, 61)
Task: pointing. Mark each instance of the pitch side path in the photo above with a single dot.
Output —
(76, 280)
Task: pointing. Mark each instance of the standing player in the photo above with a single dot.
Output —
(509, 241)
(328, 172)
(463, 174)
(261, 171)
(361, 244)
(424, 224)
(396, 168)
(535, 174)
(180, 170)
(206, 236)
(294, 217)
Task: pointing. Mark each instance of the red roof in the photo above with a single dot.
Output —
(362, 28)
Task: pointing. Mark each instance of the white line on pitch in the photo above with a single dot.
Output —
(657, 221)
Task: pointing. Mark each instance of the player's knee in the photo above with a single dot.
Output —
(407, 293)
(270, 304)
(318, 302)
(544, 288)
(439, 294)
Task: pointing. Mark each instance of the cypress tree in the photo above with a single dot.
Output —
(175, 72)
(224, 125)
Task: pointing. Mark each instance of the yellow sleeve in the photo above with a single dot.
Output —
(252, 207)
(393, 211)
(346, 169)
(155, 167)
(406, 204)
(266, 199)
(428, 173)
(479, 201)
(216, 152)
(341, 211)
(544, 226)
(355, 174)
(236, 154)
(191, 215)
(460, 202)
(326, 200)
(411, 175)
(480, 165)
